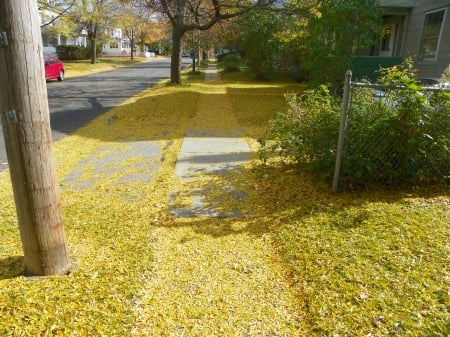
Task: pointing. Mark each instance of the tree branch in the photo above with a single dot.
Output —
(61, 13)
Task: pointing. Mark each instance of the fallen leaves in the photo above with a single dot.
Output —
(303, 260)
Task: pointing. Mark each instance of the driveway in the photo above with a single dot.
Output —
(76, 101)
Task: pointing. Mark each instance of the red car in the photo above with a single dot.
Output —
(54, 68)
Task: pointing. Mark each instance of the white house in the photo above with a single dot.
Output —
(117, 44)
(120, 45)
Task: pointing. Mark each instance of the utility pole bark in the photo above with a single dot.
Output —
(28, 139)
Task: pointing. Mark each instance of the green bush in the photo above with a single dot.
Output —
(231, 63)
(307, 132)
(401, 138)
(73, 52)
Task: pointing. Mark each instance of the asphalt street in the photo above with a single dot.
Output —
(76, 101)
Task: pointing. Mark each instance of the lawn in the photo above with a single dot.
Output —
(370, 263)
(83, 67)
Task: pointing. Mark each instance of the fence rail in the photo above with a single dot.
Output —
(390, 148)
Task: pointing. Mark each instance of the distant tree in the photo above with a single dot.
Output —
(213, 36)
(135, 22)
(94, 16)
(259, 40)
(188, 15)
(226, 36)
(55, 17)
(154, 30)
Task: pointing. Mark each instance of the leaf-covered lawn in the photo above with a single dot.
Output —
(302, 262)
(83, 67)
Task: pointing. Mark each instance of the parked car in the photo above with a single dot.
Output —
(433, 83)
(54, 68)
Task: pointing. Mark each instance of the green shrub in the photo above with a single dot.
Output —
(401, 138)
(73, 52)
(307, 132)
(231, 63)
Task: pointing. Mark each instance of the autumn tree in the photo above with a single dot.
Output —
(135, 22)
(94, 15)
(52, 11)
(188, 15)
(55, 18)
(207, 39)
(153, 31)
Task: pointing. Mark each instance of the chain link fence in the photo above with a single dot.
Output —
(393, 136)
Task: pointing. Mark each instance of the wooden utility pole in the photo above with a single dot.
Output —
(26, 126)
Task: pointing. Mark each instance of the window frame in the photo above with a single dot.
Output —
(424, 38)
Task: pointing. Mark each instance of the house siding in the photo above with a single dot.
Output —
(414, 34)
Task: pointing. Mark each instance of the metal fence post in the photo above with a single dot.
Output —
(342, 127)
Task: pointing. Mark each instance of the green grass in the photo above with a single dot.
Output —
(373, 263)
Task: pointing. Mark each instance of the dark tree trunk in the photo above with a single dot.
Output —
(132, 44)
(93, 41)
(93, 50)
(175, 67)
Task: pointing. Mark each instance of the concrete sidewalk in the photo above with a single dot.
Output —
(209, 152)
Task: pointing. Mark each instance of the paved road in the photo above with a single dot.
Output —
(76, 101)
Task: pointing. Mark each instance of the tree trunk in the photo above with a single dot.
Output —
(132, 43)
(26, 127)
(92, 35)
(175, 66)
(93, 50)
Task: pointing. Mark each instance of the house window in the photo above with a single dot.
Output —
(430, 36)
(113, 44)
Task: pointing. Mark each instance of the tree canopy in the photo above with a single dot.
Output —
(315, 38)
(336, 30)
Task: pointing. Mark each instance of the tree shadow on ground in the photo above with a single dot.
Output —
(280, 194)
(11, 267)
(274, 192)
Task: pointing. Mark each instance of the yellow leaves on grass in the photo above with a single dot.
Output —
(302, 261)
(224, 287)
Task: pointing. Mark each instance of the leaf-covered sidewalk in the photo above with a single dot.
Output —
(210, 276)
